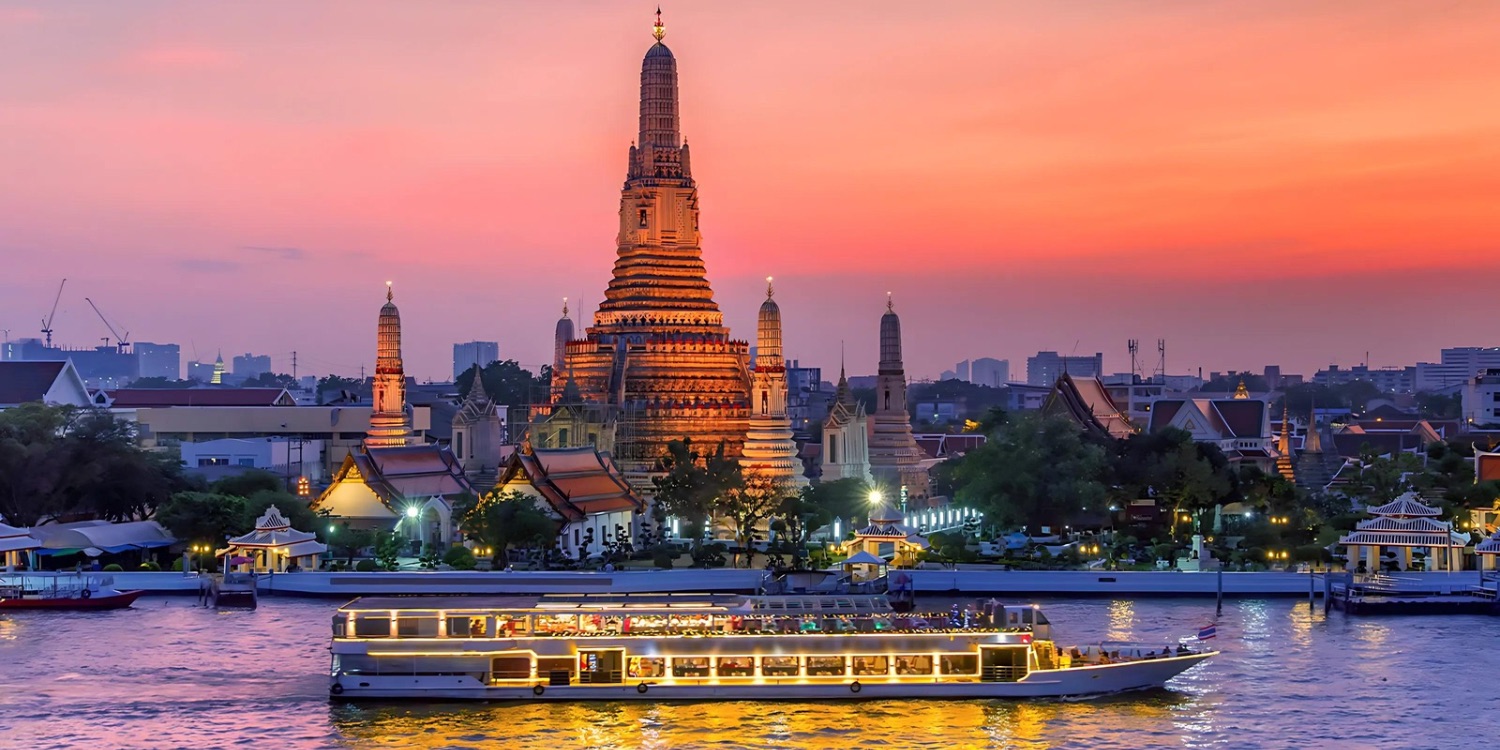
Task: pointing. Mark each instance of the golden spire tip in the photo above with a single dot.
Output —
(770, 290)
(660, 29)
(388, 295)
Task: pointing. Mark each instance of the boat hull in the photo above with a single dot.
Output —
(117, 600)
(1063, 683)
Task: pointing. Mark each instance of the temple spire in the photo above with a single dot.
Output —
(660, 29)
(770, 290)
(389, 294)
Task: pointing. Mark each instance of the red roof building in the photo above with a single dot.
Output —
(580, 487)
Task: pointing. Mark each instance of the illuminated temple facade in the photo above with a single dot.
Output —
(770, 450)
(658, 363)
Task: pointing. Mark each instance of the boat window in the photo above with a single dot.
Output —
(825, 666)
(961, 664)
(340, 625)
(779, 666)
(690, 666)
(914, 664)
(645, 623)
(647, 666)
(467, 626)
(372, 626)
(509, 626)
(556, 624)
(510, 668)
(871, 665)
(736, 666)
(552, 665)
(416, 627)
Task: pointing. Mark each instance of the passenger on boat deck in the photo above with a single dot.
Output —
(1075, 653)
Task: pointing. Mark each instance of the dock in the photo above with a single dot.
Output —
(1408, 595)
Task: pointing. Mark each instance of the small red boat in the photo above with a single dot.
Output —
(62, 591)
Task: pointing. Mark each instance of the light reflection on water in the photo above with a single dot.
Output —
(167, 674)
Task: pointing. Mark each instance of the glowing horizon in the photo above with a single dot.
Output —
(1291, 184)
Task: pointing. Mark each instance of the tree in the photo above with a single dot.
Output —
(693, 485)
(508, 383)
(797, 516)
(332, 384)
(247, 483)
(755, 499)
(203, 516)
(388, 546)
(348, 542)
(158, 381)
(1034, 470)
(1382, 479)
(60, 461)
(271, 380)
(847, 498)
(502, 519)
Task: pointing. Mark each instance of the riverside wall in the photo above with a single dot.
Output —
(963, 582)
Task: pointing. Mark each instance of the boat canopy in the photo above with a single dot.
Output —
(64, 538)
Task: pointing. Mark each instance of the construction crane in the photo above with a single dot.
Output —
(47, 322)
(122, 343)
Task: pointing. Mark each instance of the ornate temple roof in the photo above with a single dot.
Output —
(273, 530)
(1405, 506)
(576, 482)
(1087, 402)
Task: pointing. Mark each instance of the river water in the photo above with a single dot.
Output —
(168, 674)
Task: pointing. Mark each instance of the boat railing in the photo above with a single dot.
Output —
(1001, 674)
(60, 585)
(605, 677)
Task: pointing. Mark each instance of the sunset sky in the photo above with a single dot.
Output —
(1291, 183)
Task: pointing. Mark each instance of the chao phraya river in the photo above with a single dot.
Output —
(168, 674)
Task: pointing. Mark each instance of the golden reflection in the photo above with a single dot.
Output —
(9, 631)
(1121, 620)
(631, 724)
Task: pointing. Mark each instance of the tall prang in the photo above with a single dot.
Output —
(390, 425)
(658, 353)
(560, 338)
(895, 457)
(770, 450)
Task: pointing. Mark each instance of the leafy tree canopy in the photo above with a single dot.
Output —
(508, 383)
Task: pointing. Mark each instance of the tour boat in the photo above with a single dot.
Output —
(62, 591)
(709, 647)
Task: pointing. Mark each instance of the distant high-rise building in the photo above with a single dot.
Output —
(1458, 365)
(961, 371)
(202, 372)
(1046, 367)
(467, 355)
(249, 365)
(988, 371)
(158, 360)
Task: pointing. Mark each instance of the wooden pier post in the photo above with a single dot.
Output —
(1219, 604)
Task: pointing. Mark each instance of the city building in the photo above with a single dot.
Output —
(1481, 400)
(1046, 367)
(988, 371)
(202, 372)
(896, 460)
(1386, 379)
(658, 354)
(770, 452)
(845, 452)
(583, 490)
(50, 383)
(217, 378)
(806, 399)
(157, 360)
(473, 354)
(249, 365)
(1457, 365)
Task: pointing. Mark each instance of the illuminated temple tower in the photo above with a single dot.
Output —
(770, 450)
(895, 457)
(560, 338)
(390, 425)
(658, 354)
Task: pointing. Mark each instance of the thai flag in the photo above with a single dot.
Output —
(1206, 632)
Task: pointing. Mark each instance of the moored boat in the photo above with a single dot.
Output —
(62, 591)
(720, 648)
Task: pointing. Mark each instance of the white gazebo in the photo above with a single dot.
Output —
(1488, 551)
(1404, 525)
(274, 545)
(15, 543)
(885, 528)
(863, 566)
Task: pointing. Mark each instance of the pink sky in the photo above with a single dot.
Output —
(1277, 182)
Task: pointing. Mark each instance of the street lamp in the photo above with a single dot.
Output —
(876, 497)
